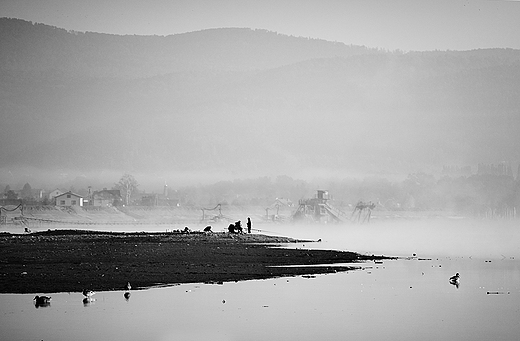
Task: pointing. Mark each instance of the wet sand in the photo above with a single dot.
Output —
(72, 260)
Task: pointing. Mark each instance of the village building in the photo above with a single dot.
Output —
(106, 197)
(153, 199)
(157, 200)
(54, 194)
(282, 202)
(69, 199)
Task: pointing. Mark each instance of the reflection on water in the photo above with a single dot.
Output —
(88, 301)
(397, 300)
(409, 299)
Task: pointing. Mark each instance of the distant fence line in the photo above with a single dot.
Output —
(34, 222)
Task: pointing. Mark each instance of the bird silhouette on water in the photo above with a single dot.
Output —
(88, 293)
(455, 280)
(88, 296)
(128, 287)
(41, 301)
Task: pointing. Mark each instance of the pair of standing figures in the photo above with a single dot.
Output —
(237, 227)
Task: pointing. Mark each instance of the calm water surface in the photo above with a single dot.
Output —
(408, 299)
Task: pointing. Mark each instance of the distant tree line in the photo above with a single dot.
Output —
(479, 195)
(474, 195)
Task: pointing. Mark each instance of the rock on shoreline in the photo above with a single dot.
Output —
(72, 260)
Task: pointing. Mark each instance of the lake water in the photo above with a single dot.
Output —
(407, 299)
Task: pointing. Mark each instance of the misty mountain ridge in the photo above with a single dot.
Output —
(249, 102)
(40, 48)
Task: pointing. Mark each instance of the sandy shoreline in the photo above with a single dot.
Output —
(72, 260)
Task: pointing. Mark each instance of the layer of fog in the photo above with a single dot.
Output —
(428, 238)
(493, 239)
(153, 182)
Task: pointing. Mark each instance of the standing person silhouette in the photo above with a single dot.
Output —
(248, 225)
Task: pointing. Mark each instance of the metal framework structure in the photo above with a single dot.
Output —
(4, 213)
(318, 209)
(214, 218)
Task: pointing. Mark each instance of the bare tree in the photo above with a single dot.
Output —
(127, 184)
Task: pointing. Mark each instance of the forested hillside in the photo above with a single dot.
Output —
(249, 102)
(32, 47)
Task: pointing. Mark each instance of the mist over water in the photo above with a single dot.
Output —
(428, 237)
(211, 106)
(425, 238)
(406, 299)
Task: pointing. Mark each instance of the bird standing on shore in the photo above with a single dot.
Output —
(128, 287)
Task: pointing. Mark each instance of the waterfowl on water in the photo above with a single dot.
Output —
(454, 279)
(41, 300)
(88, 293)
(128, 286)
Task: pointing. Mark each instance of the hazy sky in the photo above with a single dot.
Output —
(400, 24)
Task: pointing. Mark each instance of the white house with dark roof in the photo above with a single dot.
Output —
(69, 199)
